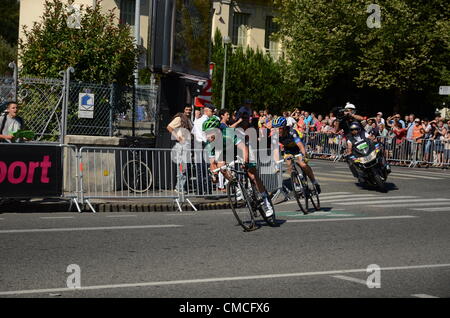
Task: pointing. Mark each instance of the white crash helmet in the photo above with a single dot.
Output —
(350, 106)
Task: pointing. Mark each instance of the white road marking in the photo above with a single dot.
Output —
(182, 214)
(330, 214)
(434, 173)
(423, 296)
(333, 193)
(120, 216)
(344, 197)
(351, 279)
(56, 217)
(443, 209)
(416, 176)
(216, 279)
(393, 200)
(404, 205)
(355, 219)
(91, 228)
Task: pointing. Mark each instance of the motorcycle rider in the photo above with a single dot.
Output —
(356, 136)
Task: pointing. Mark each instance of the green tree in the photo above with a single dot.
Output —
(250, 74)
(9, 17)
(333, 52)
(409, 52)
(100, 51)
(8, 54)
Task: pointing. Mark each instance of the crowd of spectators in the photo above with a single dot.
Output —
(406, 138)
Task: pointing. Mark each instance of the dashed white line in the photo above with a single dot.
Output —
(354, 219)
(55, 217)
(392, 200)
(216, 279)
(442, 209)
(350, 279)
(423, 296)
(136, 227)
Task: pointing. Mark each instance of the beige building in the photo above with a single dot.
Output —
(246, 22)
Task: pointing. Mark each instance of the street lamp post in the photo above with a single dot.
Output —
(226, 40)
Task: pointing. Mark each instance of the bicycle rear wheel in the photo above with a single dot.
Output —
(241, 205)
(299, 192)
(137, 176)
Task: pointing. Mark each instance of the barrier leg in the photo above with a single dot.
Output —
(90, 206)
(190, 203)
(76, 204)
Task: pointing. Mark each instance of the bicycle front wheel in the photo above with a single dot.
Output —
(241, 205)
(137, 176)
(299, 192)
(311, 193)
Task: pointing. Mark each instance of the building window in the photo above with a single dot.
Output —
(127, 11)
(271, 45)
(240, 27)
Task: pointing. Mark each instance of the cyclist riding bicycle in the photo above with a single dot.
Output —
(291, 144)
(228, 136)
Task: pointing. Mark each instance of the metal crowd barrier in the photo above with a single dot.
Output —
(324, 145)
(431, 152)
(180, 174)
(127, 173)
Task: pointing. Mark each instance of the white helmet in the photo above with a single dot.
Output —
(349, 106)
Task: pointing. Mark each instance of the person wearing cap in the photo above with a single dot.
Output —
(203, 183)
(245, 112)
(379, 118)
(349, 117)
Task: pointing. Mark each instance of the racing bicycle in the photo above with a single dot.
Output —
(245, 200)
(303, 188)
(136, 174)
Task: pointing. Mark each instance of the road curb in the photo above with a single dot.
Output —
(154, 207)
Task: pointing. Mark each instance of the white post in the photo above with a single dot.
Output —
(226, 40)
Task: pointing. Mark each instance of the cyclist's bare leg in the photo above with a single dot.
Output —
(307, 170)
(253, 175)
(225, 173)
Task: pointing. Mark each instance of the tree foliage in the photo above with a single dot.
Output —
(251, 74)
(330, 47)
(9, 17)
(8, 54)
(100, 51)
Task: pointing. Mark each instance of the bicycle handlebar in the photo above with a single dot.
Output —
(227, 165)
(288, 158)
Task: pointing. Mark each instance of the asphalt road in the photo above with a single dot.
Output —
(404, 232)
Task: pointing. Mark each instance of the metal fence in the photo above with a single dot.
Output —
(42, 103)
(426, 152)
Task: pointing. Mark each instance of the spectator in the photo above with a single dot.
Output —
(203, 183)
(245, 112)
(182, 146)
(439, 136)
(308, 121)
(10, 122)
(383, 131)
(291, 122)
(410, 127)
(379, 118)
(255, 119)
(446, 140)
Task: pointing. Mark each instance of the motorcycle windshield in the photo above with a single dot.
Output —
(362, 148)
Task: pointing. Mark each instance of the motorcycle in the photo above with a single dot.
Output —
(368, 159)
